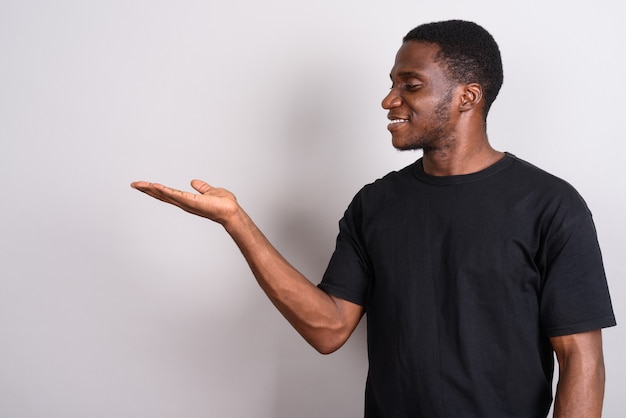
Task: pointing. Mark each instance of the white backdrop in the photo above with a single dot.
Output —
(114, 305)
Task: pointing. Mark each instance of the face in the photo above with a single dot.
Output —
(420, 100)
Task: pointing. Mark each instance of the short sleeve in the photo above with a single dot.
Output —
(348, 272)
(575, 296)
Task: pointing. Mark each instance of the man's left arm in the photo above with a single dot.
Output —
(580, 391)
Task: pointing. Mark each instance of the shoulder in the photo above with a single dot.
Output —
(533, 173)
(392, 182)
(554, 205)
(389, 190)
(540, 184)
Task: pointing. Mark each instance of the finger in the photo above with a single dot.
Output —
(201, 186)
(156, 190)
(184, 200)
(139, 184)
(145, 186)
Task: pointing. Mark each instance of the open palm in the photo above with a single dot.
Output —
(214, 203)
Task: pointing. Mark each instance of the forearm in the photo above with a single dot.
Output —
(313, 313)
(324, 321)
(580, 391)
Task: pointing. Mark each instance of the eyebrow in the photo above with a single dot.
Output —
(407, 74)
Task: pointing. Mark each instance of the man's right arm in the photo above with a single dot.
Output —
(323, 320)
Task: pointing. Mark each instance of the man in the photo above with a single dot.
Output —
(472, 265)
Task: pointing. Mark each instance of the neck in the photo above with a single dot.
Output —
(466, 155)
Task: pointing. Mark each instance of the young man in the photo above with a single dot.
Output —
(472, 265)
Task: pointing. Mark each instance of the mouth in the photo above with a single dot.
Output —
(395, 122)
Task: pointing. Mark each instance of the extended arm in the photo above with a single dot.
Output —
(580, 390)
(324, 321)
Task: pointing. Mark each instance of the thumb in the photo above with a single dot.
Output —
(201, 186)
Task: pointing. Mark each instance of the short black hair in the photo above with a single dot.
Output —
(469, 54)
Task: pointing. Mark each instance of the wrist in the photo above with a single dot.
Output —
(236, 222)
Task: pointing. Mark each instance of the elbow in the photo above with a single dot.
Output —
(329, 340)
(328, 332)
(325, 347)
(328, 348)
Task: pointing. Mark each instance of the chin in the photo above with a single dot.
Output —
(401, 145)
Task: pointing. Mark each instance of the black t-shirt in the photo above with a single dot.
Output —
(464, 279)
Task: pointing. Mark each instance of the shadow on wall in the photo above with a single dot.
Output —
(318, 152)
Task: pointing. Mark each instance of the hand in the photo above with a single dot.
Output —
(213, 203)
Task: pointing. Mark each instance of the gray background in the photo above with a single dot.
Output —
(114, 305)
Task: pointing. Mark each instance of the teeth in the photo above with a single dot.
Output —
(398, 121)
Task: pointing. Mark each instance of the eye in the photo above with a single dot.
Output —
(411, 87)
(407, 87)
(408, 84)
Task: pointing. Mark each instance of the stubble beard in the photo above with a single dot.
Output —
(438, 136)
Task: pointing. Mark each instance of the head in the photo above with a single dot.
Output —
(444, 79)
(467, 52)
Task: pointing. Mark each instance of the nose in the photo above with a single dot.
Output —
(391, 100)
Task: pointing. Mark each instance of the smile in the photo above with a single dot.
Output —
(396, 124)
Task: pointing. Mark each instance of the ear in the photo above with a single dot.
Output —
(472, 96)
